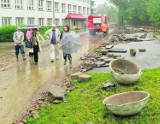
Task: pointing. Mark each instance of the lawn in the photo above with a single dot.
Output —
(84, 105)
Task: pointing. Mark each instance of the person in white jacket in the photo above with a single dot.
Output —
(18, 38)
(53, 35)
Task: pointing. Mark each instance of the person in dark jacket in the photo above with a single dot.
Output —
(35, 39)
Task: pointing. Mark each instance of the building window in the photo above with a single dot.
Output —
(6, 21)
(41, 21)
(56, 7)
(19, 4)
(19, 21)
(40, 4)
(49, 5)
(57, 22)
(88, 11)
(49, 21)
(74, 8)
(63, 7)
(31, 21)
(69, 8)
(74, 23)
(79, 9)
(30, 4)
(84, 10)
(63, 22)
(5, 4)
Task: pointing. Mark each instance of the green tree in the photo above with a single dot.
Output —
(153, 11)
(122, 5)
(132, 11)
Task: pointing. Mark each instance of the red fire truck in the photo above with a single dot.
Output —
(95, 22)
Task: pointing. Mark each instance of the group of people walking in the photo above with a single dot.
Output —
(33, 37)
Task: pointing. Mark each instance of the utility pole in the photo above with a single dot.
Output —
(53, 13)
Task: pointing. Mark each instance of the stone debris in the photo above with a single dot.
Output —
(142, 50)
(103, 58)
(88, 65)
(104, 51)
(107, 85)
(56, 101)
(70, 86)
(56, 92)
(75, 75)
(84, 78)
(132, 52)
(100, 63)
(108, 60)
(109, 46)
(35, 114)
(117, 50)
(105, 65)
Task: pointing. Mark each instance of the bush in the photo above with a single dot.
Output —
(43, 29)
(6, 33)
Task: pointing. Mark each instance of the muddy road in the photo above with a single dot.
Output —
(23, 80)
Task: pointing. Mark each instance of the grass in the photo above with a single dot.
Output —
(77, 31)
(96, 50)
(85, 103)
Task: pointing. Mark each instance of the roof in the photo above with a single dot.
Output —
(75, 16)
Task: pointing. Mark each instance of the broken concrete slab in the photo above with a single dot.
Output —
(131, 39)
(92, 59)
(100, 63)
(108, 85)
(104, 51)
(116, 56)
(56, 101)
(110, 55)
(133, 52)
(105, 65)
(88, 65)
(84, 78)
(103, 58)
(109, 46)
(117, 50)
(108, 60)
(142, 50)
(75, 75)
(56, 92)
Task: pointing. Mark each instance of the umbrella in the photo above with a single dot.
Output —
(70, 42)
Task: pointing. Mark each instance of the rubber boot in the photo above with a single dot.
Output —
(65, 61)
(70, 63)
(17, 58)
(23, 56)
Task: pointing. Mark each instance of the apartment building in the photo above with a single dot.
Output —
(40, 12)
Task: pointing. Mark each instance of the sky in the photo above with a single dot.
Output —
(99, 1)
